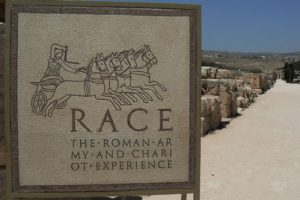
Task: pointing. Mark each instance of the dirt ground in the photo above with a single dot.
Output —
(257, 156)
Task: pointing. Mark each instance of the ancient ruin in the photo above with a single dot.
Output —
(225, 92)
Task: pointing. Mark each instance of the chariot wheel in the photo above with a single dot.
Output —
(61, 105)
(38, 103)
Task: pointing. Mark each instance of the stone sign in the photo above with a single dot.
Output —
(103, 98)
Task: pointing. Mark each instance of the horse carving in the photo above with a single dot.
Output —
(120, 78)
(141, 77)
(97, 85)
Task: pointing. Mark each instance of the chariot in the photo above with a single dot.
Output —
(46, 87)
(45, 90)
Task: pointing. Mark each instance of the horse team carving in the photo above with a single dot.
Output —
(121, 78)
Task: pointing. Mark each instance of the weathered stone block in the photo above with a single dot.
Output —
(240, 83)
(210, 112)
(233, 104)
(232, 85)
(228, 95)
(213, 72)
(205, 107)
(256, 92)
(241, 92)
(249, 94)
(241, 102)
(225, 104)
(204, 126)
(215, 116)
(224, 86)
(224, 74)
(255, 81)
(264, 82)
(205, 72)
(211, 86)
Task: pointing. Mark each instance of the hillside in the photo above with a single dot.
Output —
(248, 61)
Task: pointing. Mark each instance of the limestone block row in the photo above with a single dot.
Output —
(210, 112)
(224, 74)
(228, 96)
(256, 81)
(208, 72)
(261, 81)
(211, 86)
(225, 91)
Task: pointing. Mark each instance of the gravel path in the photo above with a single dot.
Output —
(257, 156)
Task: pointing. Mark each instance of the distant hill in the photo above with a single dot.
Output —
(264, 61)
(254, 54)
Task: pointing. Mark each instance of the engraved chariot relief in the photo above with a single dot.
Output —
(121, 78)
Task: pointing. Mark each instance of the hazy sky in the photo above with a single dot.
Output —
(248, 25)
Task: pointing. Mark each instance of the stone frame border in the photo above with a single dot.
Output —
(192, 11)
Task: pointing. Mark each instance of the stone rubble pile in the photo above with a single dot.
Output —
(225, 91)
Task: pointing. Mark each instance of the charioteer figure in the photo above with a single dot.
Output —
(58, 60)
(46, 87)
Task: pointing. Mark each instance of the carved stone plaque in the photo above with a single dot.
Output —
(103, 98)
